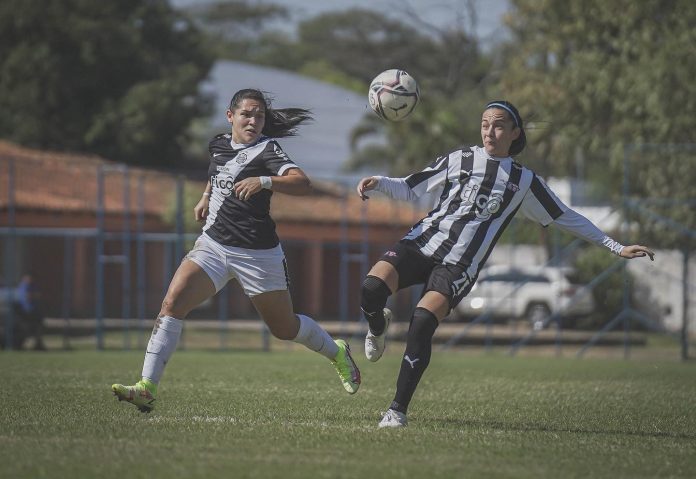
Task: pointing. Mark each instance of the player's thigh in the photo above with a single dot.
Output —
(189, 287)
(275, 308)
(402, 266)
(387, 273)
(435, 302)
(445, 287)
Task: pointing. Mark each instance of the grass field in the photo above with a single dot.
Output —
(284, 414)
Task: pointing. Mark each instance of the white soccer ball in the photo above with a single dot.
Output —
(393, 95)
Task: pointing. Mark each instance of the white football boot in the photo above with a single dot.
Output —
(375, 345)
(393, 419)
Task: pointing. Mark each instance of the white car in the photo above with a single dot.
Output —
(530, 293)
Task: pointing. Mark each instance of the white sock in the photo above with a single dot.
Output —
(315, 337)
(163, 341)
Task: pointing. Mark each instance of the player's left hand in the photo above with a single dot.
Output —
(247, 187)
(637, 251)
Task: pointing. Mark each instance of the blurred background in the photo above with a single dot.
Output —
(107, 109)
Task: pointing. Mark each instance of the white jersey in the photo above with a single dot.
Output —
(478, 197)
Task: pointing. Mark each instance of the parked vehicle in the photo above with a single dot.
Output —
(528, 293)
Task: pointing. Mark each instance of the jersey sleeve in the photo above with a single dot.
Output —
(415, 185)
(540, 204)
(575, 223)
(276, 160)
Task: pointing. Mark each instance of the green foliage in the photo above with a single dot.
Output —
(439, 124)
(597, 76)
(449, 71)
(413, 144)
(235, 17)
(322, 70)
(660, 199)
(284, 414)
(191, 195)
(362, 44)
(349, 48)
(118, 79)
(238, 27)
(608, 295)
(523, 231)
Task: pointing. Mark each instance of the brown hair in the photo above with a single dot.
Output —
(279, 123)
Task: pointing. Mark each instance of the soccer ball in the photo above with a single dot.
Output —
(393, 95)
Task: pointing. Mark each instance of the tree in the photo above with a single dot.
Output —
(238, 27)
(119, 79)
(446, 63)
(349, 48)
(600, 76)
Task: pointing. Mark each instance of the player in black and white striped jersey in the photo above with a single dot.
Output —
(479, 190)
(239, 242)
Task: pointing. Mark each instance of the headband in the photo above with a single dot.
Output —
(506, 108)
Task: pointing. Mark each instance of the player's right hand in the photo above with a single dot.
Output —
(366, 184)
(200, 211)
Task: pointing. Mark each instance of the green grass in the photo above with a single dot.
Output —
(284, 414)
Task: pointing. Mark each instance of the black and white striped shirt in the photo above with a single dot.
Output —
(478, 197)
(235, 222)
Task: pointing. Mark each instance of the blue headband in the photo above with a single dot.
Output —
(506, 108)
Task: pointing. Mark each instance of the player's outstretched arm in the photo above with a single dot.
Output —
(637, 251)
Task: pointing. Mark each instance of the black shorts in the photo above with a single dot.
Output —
(415, 268)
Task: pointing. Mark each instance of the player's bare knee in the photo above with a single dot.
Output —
(171, 307)
(283, 332)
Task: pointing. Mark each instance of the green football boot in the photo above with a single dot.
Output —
(141, 394)
(346, 368)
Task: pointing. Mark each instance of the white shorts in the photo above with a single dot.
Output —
(257, 270)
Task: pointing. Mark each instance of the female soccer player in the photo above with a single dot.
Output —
(480, 190)
(239, 242)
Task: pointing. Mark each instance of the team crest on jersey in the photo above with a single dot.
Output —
(279, 152)
(241, 158)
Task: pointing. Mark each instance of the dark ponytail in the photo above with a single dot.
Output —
(521, 141)
(279, 123)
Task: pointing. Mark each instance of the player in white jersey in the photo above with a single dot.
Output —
(239, 242)
(480, 190)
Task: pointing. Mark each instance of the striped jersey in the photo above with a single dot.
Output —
(478, 195)
(235, 222)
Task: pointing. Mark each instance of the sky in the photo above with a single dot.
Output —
(440, 13)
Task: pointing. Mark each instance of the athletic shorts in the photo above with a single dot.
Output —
(257, 270)
(416, 268)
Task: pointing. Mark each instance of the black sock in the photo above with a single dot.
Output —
(374, 296)
(416, 357)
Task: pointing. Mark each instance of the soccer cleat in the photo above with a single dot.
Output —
(374, 345)
(393, 418)
(346, 368)
(141, 395)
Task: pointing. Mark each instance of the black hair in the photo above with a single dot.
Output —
(521, 141)
(279, 123)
